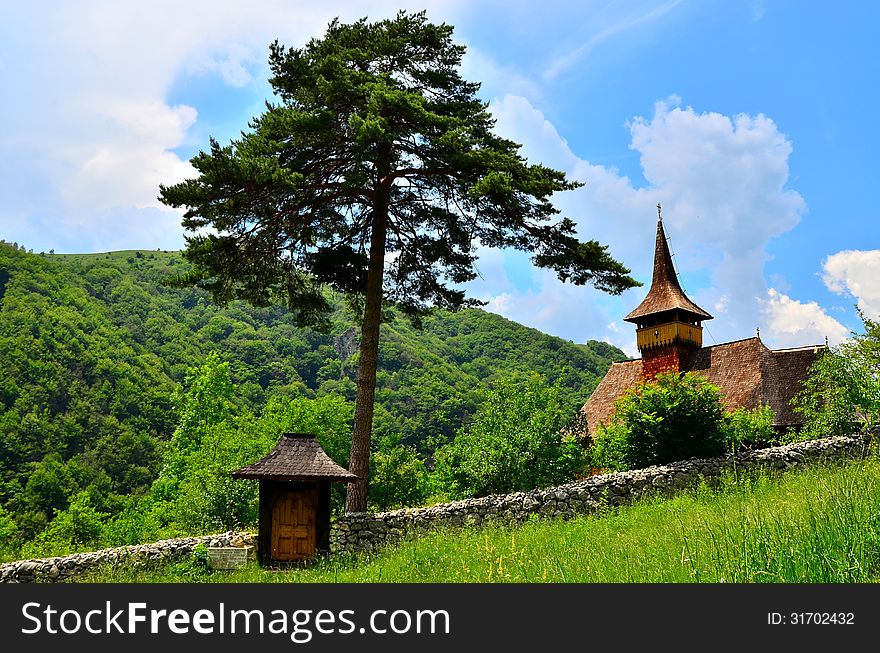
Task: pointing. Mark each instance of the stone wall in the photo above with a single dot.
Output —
(59, 568)
(367, 532)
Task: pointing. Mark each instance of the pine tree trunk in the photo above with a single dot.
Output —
(359, 460)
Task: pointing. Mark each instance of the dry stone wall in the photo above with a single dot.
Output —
(59, 568)
(368, 532)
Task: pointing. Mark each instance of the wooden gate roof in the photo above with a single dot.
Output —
(296, 457)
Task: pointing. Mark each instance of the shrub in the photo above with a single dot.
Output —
(675, 417)
(842, 390)
(8, 530)
(131, 525)
(749, 429)
(194, 567)
(200, 555)
(610, 447)
(79, 526)
(513, 443)
(398, 477)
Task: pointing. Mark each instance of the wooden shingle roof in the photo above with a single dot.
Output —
(786, 371)
(747, 372)
(296, 457)
(665, 293)
(619, 378)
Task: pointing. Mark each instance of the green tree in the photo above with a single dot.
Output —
(749, 429)
(674, 417)
(204, 401)
(515, 442)
(842, 389)
(377, 145)
(328, 417)
(8, 530)
(79, 525)
(398, 476)
(204, 405)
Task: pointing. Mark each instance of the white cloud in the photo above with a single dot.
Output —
(722, 182)
(556, 308)
(856, 273)
(92, 133)
(232, 62)
(759, 10)
(795, 323)
(607, 27)
(721, 305)
(495, 78)
(126, 165)
(91, 129)
(519, 120)
(724, 178)
(545, 304)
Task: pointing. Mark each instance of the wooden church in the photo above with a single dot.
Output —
(669, 336)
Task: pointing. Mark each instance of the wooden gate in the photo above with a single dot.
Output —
(293, 525)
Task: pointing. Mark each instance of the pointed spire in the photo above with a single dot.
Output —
(665, 293)
(663, 268)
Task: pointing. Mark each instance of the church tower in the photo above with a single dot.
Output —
(668, 324)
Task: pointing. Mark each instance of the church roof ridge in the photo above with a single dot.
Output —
(801, 348)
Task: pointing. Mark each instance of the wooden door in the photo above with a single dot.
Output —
(293, 525)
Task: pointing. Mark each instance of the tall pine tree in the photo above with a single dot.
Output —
(376, 172)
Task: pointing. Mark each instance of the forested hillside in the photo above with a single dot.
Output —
(93, 348)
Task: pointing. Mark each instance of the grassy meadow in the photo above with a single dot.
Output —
(819, 525)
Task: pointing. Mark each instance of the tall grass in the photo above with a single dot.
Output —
(820, 525)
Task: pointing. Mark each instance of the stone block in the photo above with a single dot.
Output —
(228, 557)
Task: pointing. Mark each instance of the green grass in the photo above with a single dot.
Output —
(820, 525)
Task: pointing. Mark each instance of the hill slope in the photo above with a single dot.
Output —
(94, 346)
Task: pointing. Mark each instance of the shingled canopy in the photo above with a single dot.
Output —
(296, 457)
(295, 482)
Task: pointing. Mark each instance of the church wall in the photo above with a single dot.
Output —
(669, 358)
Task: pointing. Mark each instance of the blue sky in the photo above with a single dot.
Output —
(753, 123)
